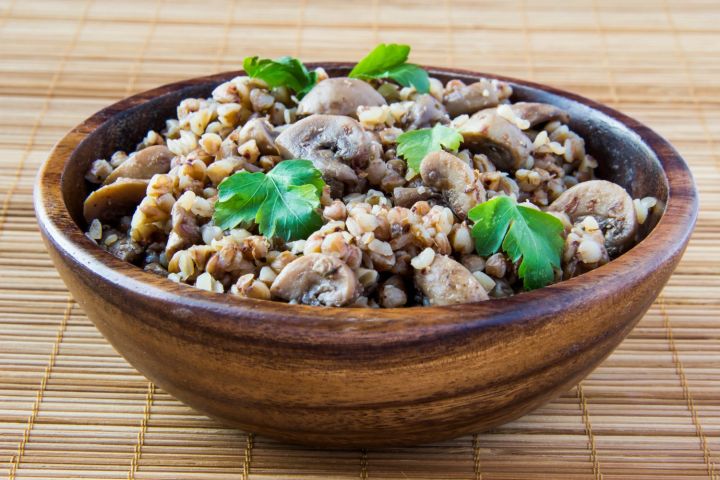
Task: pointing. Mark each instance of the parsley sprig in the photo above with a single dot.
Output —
(285, 71)
(283, 202)
(390, 61)
(414, 145)
(523, 233)
(385, 61)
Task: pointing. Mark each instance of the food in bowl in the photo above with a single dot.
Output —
(366, 377)
(385, 188)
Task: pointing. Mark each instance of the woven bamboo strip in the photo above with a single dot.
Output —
(137, 451)
(363, 465)
(589, 432)
(686, 392)
(39, 119)
(299, 27)
(680, 52)
(477, 465)
(18, 457)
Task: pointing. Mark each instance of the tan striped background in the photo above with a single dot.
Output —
(70, 407)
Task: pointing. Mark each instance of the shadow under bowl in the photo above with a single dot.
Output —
(339, 377)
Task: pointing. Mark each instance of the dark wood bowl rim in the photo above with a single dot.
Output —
(270, 321)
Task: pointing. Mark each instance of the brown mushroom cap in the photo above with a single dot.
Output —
(337, 145)
(425, 111)
(316, 279)
(500, 140)
(339, 96)
(609, 203)
(111, 202)
(143, 164)
(409, 196)
(455, 179)
(447, 282)
(538, 113)
(469, 99)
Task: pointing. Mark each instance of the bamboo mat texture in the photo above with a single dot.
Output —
(72, 408)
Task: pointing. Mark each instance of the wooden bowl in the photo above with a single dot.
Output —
(339, 377)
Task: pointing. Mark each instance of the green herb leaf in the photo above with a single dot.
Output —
(415, 144)
(382, 58)
(285, 71)
(390, 61)
(409, 74)
(523, 232)
(283, 202)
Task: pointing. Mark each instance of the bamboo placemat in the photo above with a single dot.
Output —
(70, 407)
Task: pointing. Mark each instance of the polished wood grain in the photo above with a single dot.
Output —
(361, 377)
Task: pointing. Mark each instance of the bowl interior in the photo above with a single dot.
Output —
(622, 155)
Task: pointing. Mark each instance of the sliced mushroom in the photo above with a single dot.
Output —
(125, 249)
(455, 179)
(611, 206)
(409, 196)
(337, 146)
(144, 164)
(425, 111)
(507, 147)
(538, 113)
(260, 130)
(111, 202)
(316, 279)
(339, 96)
(447, 282)
(468, 99)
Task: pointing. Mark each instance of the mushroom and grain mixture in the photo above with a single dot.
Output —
(385, 188)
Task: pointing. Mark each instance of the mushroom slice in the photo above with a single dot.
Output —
(335, 144)
(339, 96)
(143, 164)
(260, 130)
(611, 206)
(125, 248)
(468, 99)
(447, 282)
(425, 111)
(316, 279)
(409, 196)
(507, 147)
(111, 202)
(537, 113)
(455, 179)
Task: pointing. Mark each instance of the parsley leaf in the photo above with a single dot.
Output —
(415, 144)
(390, 61)
(285, 71)
(283, 202)
(523, 232)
